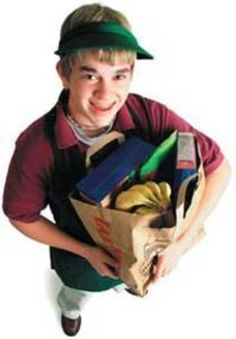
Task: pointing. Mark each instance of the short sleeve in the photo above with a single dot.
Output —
(25, 192)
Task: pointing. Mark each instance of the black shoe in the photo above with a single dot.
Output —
(70, 326)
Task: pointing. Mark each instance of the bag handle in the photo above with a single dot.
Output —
(180, 203)
(101, 143)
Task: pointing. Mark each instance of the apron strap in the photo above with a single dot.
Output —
(145, 131)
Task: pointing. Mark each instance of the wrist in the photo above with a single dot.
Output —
(191, 236)
(181, 244)
(84, 250)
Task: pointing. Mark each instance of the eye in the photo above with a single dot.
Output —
(120, 77)
(90, 76)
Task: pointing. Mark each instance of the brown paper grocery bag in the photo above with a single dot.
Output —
(132, 238)
(136, 240)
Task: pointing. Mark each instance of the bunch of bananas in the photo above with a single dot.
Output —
(150, 197)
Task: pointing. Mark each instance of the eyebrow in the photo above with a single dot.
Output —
(87, 69)
(93, 70)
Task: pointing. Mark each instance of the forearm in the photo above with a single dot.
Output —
(215, 184)
(44, 231)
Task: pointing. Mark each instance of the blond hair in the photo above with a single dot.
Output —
(94, 13)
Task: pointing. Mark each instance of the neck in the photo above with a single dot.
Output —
(88, 130)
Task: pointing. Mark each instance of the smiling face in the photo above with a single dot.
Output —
(97, 90)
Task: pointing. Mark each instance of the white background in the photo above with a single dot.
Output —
(194, 74)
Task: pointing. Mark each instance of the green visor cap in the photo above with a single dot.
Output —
(101, 35)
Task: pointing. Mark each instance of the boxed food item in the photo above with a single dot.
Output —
(103, 180)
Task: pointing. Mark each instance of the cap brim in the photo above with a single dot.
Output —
(143, 54)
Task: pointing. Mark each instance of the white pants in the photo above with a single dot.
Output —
(72, 301)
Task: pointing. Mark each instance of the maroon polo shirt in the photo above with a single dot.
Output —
(25, 194)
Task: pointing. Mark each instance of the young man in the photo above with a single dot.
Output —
(97, 56)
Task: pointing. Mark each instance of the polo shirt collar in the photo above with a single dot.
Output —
(64, 135)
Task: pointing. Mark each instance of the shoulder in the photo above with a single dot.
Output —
(34, 132)
(138, 101)
(155, 112)
(33, 145)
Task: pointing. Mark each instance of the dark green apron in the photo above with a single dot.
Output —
(69, 167)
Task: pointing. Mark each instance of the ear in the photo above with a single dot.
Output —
(132, 70)
(63, 77)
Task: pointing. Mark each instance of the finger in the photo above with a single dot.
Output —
(110, 272)
(158, 269)
(170, 269)
(112, 262)
(165, 272)
(108, 258)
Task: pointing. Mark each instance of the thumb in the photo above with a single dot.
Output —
(157, 270)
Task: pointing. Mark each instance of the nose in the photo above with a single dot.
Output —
(103, 90)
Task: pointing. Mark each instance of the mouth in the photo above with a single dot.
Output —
(102, 107)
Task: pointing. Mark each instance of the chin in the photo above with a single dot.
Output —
(102, 121)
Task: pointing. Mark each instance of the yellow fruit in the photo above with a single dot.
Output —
(128, 199)
(165, 192)
(155, 189)
(144, 210)
(145, 190)
(148, 198)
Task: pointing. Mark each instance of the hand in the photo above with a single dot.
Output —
(167, 260)
(103, 262)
